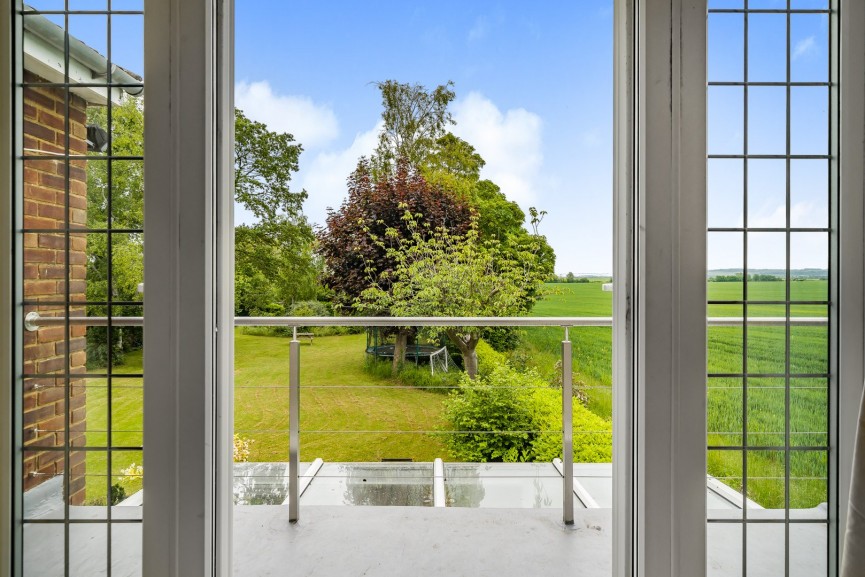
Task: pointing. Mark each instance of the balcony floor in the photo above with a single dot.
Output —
(419, 541)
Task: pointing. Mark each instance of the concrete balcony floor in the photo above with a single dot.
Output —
(337, 536)
(419, 541)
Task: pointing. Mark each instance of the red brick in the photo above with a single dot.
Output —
(50, 365)
(51, 334)
(52, 211)
(51, 395)
(53, 271)
(78, 188)
(78, 172)
(77, 146)
(57, 423)
(39, 415)
(78, 131)
(79, 258)
(40, 287)
(78, 216)
(48, 458)
(75, 286)
(51, 147)
(79, 415)
(55, 121)
(39, 351)
(78, 344)
(77, 401)
(78, 115)
(78, 359)
(36, 222)
(78, 242)
(40, 193)
(78, 201)
(39, 131)
(34, 97)
(39, 255)
(52, 181)
(52, 240)
(49, 166)
(78, 440)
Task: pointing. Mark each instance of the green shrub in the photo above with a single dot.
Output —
(508, 400)
(593, 435)
(502, 338)
(488, 358)
(497, 401)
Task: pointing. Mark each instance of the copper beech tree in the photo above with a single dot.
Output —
(353, 260)
(441, 273)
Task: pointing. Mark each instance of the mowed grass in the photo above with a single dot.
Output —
(127, 403)
(339, 400)
(726, 397)
(328, 366)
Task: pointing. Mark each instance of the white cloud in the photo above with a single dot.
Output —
(804, 47)
(480, 30)
(510, 142)
(312, 124)
(324, 177)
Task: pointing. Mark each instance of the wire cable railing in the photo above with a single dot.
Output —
(35, 321)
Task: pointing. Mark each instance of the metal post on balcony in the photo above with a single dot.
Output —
(294, 429)
(567, 432)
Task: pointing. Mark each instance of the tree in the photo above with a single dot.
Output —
(414, 119)
(274, 266)
(415, 130)
(440, 273)
(274, 259)
(353, 260)
(121, 190)
(275, 263)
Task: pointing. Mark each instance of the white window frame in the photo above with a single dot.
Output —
(659, 338)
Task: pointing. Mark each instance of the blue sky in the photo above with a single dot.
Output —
(534, 96)
(766, 134)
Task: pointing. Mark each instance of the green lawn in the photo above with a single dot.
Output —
(327, 366)
(127, 402)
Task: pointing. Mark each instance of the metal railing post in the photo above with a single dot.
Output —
(567, 432)
(294, 429)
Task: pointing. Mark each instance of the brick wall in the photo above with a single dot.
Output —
(45, 280)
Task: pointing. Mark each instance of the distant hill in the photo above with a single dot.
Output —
(809, 273)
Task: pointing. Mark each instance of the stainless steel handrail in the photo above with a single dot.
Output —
(33, 321)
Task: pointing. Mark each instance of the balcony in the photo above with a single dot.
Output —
(484, 518)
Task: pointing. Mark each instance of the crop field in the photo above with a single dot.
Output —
(766, 397)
